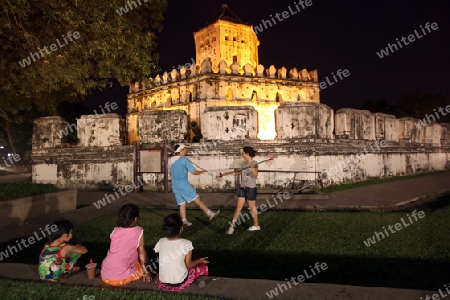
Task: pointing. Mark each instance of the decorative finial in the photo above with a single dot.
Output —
(224, 5)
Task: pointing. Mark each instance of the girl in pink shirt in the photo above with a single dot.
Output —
(126, 258)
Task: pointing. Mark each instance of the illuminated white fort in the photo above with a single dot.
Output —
(228, 96)
(226, 92)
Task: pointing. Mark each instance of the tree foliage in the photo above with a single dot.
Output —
(419, 104)
(42, 66)
(415, 105)
(377, 105)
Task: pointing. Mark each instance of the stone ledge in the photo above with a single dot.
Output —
(230, 288)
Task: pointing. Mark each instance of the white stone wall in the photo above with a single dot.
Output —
(78, 168)
(45, 173)
(229, 122)
(374, 165)
(304, 120)
(83, 167)
(50, 132)
(386, 127)
(445, 134)
(407, 131)
(341, 159)
(155, 126)
(355, 124)
(84, 175)
(100, 130)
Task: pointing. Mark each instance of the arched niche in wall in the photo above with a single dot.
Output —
(278, 98)
(254, 96)
(229, 94)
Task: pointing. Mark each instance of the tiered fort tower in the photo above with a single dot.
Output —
(226, 92)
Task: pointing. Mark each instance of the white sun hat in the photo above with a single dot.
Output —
(180, 147)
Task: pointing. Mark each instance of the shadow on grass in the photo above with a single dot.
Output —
(432, 203)
(358, 271)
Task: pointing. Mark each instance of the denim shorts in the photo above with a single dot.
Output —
(247, 193)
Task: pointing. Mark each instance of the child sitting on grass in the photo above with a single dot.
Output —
(126, 259)
(57, 258)
(176, 268)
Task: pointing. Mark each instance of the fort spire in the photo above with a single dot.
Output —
(226, 14)
(226, 38)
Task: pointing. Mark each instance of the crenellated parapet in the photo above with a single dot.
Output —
(254, 72)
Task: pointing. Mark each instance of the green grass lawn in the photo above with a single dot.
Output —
(415, 257)
(20, 290)
(16, 190)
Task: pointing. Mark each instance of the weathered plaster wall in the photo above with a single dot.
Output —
(101, 131)
(386, 127)
(87, 168)
(407, 131)
(48, 132)
(155, 126)
(355, 124)
(241, 122)
(366, 146)
(84, 168)
(304, 120)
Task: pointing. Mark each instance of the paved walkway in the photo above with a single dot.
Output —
(390, 196)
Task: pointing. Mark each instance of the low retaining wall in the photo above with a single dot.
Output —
(16, 212)
(339, 161)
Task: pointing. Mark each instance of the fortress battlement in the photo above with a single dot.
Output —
(246, 73)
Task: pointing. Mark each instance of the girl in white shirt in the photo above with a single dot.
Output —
(177, 270)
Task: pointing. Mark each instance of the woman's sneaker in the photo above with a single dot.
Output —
(214, 214)
(186, 223)
(254, 228)
(230, 230)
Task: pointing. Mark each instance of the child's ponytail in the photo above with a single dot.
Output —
(127, 214)
(172, 225)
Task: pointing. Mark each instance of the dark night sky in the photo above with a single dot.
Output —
(327, 36)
